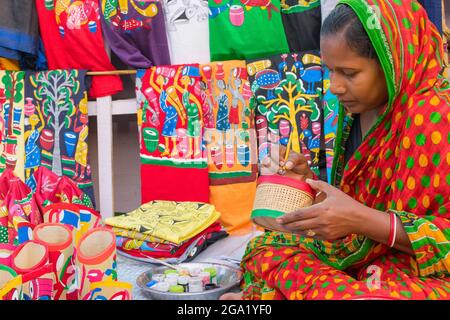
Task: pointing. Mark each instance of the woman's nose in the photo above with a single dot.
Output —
(337, 86)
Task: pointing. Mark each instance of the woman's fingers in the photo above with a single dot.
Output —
(301, 214)
(302, 226)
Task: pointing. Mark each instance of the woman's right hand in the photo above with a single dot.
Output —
(294, 166)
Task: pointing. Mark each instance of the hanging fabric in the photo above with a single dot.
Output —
(302, 22)
(56, 127)
(170, 121)
(18, 29)
(135, 32)
(288, 89)
(187, 30)
(245, 29)
(72, 35)
(230, 142)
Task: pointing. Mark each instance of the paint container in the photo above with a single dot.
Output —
(196, 288)
(176, 289)
(184, 282)
(191, 71)
(244, 155)
(159, 277)
(151, 283)
(229, 155)
(237, 15)
(70, 140)
(92, 25)
(212, 274)
(162, 286)
(205, 276)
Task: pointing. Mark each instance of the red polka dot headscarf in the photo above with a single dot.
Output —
(404, 161)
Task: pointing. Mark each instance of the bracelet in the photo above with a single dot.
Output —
(393, 229)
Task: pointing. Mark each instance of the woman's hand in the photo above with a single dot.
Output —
(333, 218)
(295, 166)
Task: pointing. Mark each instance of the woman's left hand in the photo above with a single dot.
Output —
(333, 218)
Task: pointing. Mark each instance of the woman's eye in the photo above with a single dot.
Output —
(349, 73)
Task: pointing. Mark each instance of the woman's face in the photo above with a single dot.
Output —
(358, 82)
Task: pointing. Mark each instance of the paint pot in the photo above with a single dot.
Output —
(162, 286)
(151, 96)
(316, 128)
(220, 73)
(17, 115)
(244, 155)
(182, 142)
(229, 155)
(11, 162)
(165, 72)
(29, 107)
(285, 128)
(191, 71)
(216, 156)
(92, 25)
(207, 72)
(70, 140)
(240, 72)
(158, 277)
(246, 91)
(237, 15)
(49, 4)
(47, 139)
(151, 138)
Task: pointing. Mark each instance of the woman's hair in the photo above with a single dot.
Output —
(343, 19)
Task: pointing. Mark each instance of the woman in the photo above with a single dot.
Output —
(387, 228)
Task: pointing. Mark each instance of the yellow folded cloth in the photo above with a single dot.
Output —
(168, 220)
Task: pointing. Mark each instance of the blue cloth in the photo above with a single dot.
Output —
(18, 29)
(434, 11)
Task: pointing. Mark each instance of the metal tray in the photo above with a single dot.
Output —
(228, 278)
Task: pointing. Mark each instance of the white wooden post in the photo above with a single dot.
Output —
(105, 156)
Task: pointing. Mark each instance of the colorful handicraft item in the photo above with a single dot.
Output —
(58, 239)
(10, 284)
(95, 259)
(168, 220)
(110, 290)
(56, 126)
(288, 97)
(245, 29)
(229, 123)
(170, 119)
(80, 219)
(170, 252)
(230, 141)
(18, 209)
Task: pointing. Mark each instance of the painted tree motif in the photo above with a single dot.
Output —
(55, 91)
(13, 82)
(292, 103)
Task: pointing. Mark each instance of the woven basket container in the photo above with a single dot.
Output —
(277, 195)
